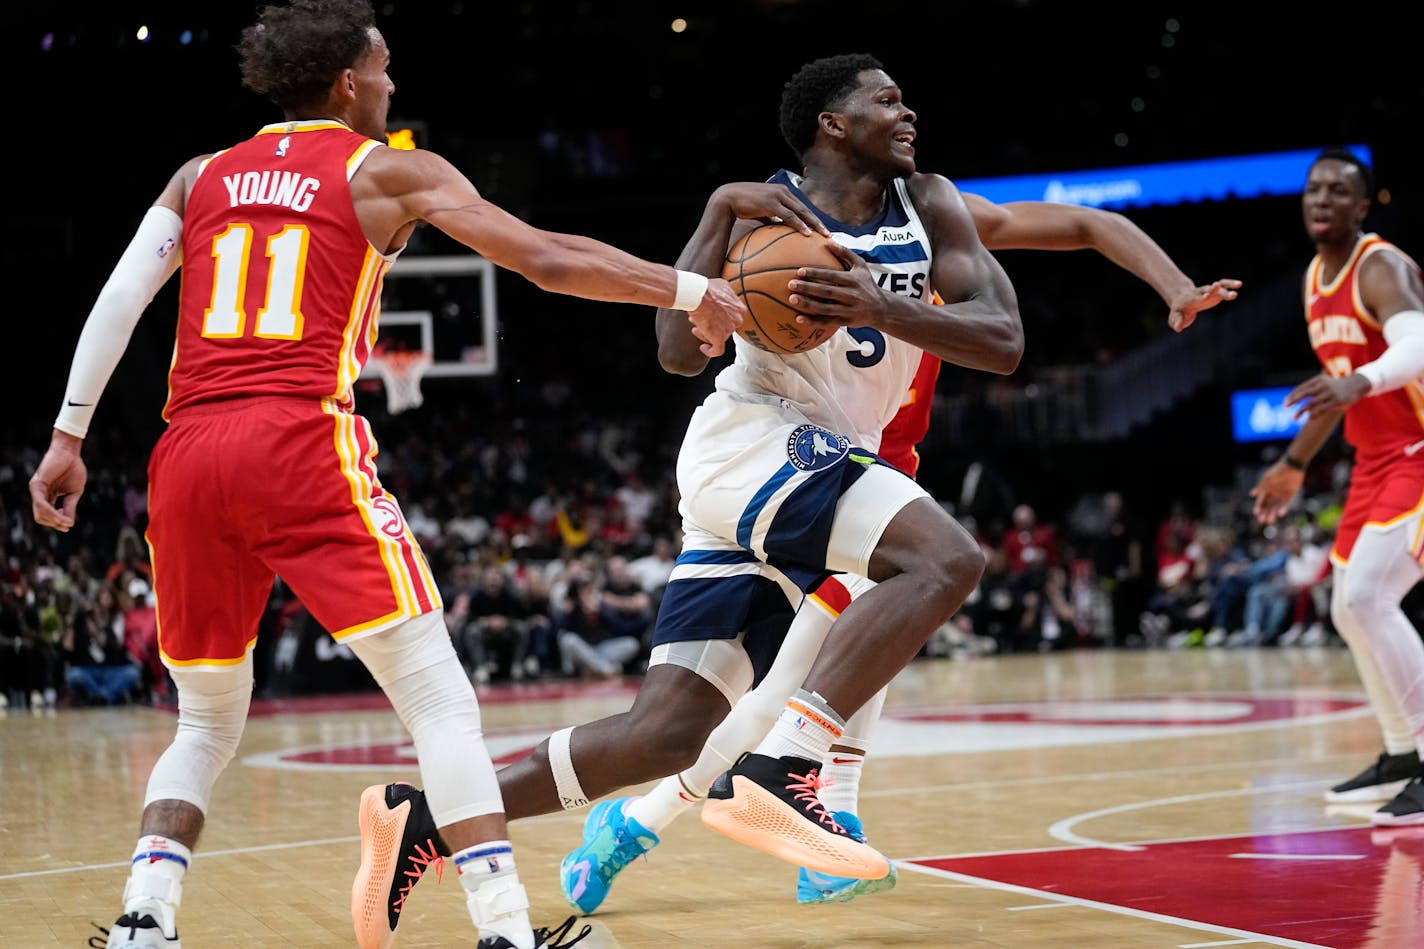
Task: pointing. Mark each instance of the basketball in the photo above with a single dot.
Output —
(758, 267)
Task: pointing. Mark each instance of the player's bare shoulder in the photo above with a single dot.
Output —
(175, 194)
(396, 173)
(941, 206)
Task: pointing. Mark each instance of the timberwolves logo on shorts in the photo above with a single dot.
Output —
(812, 448)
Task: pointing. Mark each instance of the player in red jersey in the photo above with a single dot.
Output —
(265, 470)
(617, 831)
(1364, 310)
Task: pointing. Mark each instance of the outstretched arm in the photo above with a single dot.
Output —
(399, 187)
(1043, 225)
(731, 211)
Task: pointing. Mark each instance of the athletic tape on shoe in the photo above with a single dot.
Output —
(561, 762)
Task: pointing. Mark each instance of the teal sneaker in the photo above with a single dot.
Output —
(611, 841)
(813, 887)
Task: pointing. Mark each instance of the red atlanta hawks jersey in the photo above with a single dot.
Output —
(1345, 336)
(281, 290)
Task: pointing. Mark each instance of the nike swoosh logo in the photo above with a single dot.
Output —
(582, 881)
(78, 405)
(690, 800)
(1414, 448)
(844, 760)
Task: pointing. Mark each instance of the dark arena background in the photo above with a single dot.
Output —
(1099, 678)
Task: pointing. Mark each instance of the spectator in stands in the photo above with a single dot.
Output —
(495, 637)
(626, 606)
(98, 667)
(1032, 547)
(1305, 566)
(588, 642)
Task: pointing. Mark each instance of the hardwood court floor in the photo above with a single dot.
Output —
(1096, 799)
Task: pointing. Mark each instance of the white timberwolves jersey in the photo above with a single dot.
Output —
(855, 383)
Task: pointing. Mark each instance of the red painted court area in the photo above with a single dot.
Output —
(1345, 889)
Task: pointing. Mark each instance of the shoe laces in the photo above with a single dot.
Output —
(548, 938)
(806, 785)
(626, 849)
(101, 941)
(420, 861)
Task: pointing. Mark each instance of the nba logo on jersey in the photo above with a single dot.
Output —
(282, 145)
(812, 448)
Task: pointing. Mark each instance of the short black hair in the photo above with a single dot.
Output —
(818, 86)
(1345, 156)
(293, 53)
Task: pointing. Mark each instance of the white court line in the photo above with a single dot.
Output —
(1223, 942)
(1240, 934)
(888, 792)
(261, 848)
(1063, 830)
(1020, 909)
(1296, 856)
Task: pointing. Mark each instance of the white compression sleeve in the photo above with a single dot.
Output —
(1403, 361)
(151, 258)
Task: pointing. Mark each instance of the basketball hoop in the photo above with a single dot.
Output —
(401, 371)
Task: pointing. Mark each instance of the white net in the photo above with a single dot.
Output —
(401, 372)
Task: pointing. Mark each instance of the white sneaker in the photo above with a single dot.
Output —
(140, 930)
(1314, 636)
(1290, 636)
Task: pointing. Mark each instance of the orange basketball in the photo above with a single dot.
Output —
(758, 267)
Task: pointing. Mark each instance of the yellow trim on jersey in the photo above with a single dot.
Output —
(1415, 393)
(306, 125)
(368, 285)
(359, 155)
(1386, 525)
(247, 651)
(830, 610)
(349, 451)
(350, 631)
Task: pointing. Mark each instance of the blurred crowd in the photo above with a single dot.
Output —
(552, 539)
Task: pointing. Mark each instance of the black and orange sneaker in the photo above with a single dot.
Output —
(399, 842)
(770, 804)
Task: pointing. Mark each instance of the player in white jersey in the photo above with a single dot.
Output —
(781, 486)
(780, 483)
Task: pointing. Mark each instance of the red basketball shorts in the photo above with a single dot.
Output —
(1384, 490)
(243, 492)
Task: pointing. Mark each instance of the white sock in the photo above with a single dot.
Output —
(842, 770)
(494, 896)
(155, 884)
(657, 809)
(807, 728)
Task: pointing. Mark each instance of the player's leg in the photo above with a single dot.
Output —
(206, 620)
(638, 822)
(1369, 499)
(1383, 568)
(369, 585)
(888, 529)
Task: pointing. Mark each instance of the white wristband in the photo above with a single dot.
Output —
(691, 288)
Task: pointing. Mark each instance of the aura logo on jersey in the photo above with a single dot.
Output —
(812, 448)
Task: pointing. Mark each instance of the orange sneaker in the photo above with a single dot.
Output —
(770, 804)
(399, 842)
